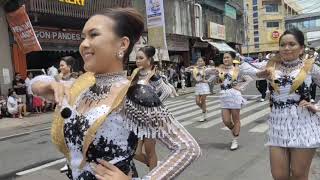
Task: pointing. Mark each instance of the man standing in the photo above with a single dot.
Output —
(211, 84)
(19, 87)
(262, 85)
(312, 54)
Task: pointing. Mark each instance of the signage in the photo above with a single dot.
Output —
(55, 35)
(216, 31)
(75, 2)
(22, 30)
(230, 11)
(275, 35)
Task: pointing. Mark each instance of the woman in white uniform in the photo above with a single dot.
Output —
(231, 84)
(294, 124)
(202, 77)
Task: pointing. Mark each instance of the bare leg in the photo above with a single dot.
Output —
(236, 121)
(280, 163)
(20, 108)
(150, 147)
(203, 103)
(300, 163)
(198, 101)
(226, 117)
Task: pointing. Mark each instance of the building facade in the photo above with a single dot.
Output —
(264, 24)
(308, 23)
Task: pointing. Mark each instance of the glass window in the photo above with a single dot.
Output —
(306, 24)
(255, 14)
(255, 21)
(256, 39)
(312, 23)
(256, 46)
(272, 24)
(256, 33)
(254, 2)
(256, 27)
(272, 8)
(255, 8)
(317, 22)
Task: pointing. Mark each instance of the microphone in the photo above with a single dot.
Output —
(66, 112)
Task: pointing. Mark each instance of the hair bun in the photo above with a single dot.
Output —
(151, 50)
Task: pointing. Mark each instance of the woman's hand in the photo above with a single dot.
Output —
(107, 171)
(60, 91)
(265, 74)
(311, 107)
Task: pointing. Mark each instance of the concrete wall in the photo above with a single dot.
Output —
(5, 51)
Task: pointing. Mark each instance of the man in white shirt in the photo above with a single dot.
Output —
(14, 105)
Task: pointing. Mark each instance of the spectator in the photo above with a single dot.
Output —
(29, 93)
(37, 104)
(211, 83)
(312, 54)
(3, 107)
(15, 106)
(262, 85)
(19, 87)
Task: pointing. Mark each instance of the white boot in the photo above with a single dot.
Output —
(204, 117)
(64, 168)
(234, 144)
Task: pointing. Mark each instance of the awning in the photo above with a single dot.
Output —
(221, 46)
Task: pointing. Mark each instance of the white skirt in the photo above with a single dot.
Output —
(202, 89)
(231, 99)
(293, 127)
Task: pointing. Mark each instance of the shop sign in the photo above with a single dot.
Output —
(230, 11)
(23, 31)
(54, 35)
(75, 2)
(177, 43)
(216, 31)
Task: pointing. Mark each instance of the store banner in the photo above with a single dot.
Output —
(156, 26)
(22, 30)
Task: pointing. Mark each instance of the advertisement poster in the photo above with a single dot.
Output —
(22, 30)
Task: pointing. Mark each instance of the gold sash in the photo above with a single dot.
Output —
(235, 73)
(196, 71)
(82, 83)
(274, 63)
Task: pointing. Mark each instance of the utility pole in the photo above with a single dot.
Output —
(246, 25)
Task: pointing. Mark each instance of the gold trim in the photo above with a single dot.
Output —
(196, 71)
(222, 72)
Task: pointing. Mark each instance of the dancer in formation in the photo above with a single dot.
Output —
(232, 82)
(202, 89)
(103, 114)
(147, 76)
(294, 124)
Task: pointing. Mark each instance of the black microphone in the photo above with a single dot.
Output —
(66, 112)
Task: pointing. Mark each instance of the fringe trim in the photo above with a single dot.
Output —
(147, 122)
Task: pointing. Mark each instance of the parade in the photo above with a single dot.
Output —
(122, 90)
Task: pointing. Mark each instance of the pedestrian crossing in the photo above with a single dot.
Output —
(188, 113)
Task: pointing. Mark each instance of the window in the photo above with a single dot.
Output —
(255, 8)
(256, 39)
(272, 8)
(255, 21)
(256, 33)
(254, 2)
(255, 27)
(255, 14)
(256, 46)
(273, 24)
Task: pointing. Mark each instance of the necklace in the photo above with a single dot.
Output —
(101, 89)
(288, 67)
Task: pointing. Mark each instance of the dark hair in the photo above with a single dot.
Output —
(149, 51)
(232, 54)
(10, 92)
(296, 33)
(69, 61)
(128, 22)
(312, 48)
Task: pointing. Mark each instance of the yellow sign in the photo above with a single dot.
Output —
(76, 2)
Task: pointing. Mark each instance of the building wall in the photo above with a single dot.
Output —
(5, 52)
(266, 40)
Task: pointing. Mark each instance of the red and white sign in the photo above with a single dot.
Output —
(217, 31)
(275, 34)
(22, 30)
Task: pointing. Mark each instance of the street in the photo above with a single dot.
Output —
(29, 155)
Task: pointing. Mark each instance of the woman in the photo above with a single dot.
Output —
(15, 105)
(106, 113)
(293, 134)
(202, 88)
(66, 70)
(147, 76)
(231, 83)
